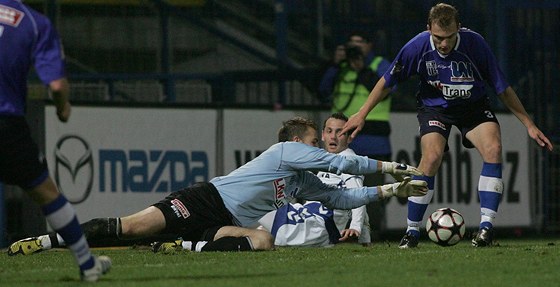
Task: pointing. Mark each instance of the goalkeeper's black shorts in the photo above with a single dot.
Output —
(195, 213)
(20, 161)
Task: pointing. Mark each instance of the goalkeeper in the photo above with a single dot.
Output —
(221, 215)
(312, 224)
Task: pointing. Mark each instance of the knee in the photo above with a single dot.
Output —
(131, 228)
(262, 240)
(430, 162)
(492, 152)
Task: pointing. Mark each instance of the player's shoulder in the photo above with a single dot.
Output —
(468, 34)
(420, 38)
(418, 44)
(29, 14)
(291, 149)
(293, 146)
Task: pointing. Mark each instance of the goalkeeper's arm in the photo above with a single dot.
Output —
(399, 170)
(405, 188)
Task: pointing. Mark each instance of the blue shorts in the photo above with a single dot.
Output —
(464, 117)
(20, 161)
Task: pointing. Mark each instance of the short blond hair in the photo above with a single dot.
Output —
(296, 126)
(443, 15)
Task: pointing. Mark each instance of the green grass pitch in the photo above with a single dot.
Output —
(515, 262)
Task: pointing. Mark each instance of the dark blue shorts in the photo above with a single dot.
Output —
(194, 212)
(464, 117)
(21, 163)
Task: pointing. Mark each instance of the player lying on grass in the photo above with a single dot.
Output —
(225, 211)
(312, 224)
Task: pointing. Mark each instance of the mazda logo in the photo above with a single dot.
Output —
(73, 168)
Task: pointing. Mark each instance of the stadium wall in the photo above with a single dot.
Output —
(111, 161)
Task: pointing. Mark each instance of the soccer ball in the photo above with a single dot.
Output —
(446, 226)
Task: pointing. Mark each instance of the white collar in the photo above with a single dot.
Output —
(454, 48)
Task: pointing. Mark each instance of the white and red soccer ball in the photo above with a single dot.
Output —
(446, 226)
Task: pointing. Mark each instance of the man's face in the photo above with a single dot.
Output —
(444, 38)
(310, 137)
(332, 142)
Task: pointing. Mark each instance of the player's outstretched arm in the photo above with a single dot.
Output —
(356, 122)
(511, 100)
(405, 188)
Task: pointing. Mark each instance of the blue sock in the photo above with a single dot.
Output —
(490, 188)
(62, 218)
(417, 207)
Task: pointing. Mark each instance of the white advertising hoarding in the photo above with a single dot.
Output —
(112, 161)
(247, 133)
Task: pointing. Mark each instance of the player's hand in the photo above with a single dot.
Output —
(540, 138)
(405, 188)
(354, 125)
(348, 233)
(63, 113)
(399, 170)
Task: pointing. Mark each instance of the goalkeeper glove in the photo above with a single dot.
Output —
(399, 170)
(405, 188)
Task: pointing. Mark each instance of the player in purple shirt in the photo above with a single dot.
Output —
(28, 38)
(453, 65)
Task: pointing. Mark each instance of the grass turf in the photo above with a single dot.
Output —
(515, 262)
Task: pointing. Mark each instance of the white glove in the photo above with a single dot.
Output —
(406, 188)
(399, 170)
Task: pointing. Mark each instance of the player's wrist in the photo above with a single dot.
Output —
(386, 190)
(386, 167)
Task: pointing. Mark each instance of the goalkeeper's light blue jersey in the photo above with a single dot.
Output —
(282, 173)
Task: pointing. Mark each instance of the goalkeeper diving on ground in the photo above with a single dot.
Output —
(222, 214)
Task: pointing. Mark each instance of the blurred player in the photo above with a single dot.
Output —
(454, 65)
(28, 38)
(224, 212)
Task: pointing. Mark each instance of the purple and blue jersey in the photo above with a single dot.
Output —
(448, 80)
(26, 38)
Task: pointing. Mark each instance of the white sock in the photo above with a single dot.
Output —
(45, 242)
(188, 245)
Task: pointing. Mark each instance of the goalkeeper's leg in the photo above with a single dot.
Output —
(225, 238)
(98, 231)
